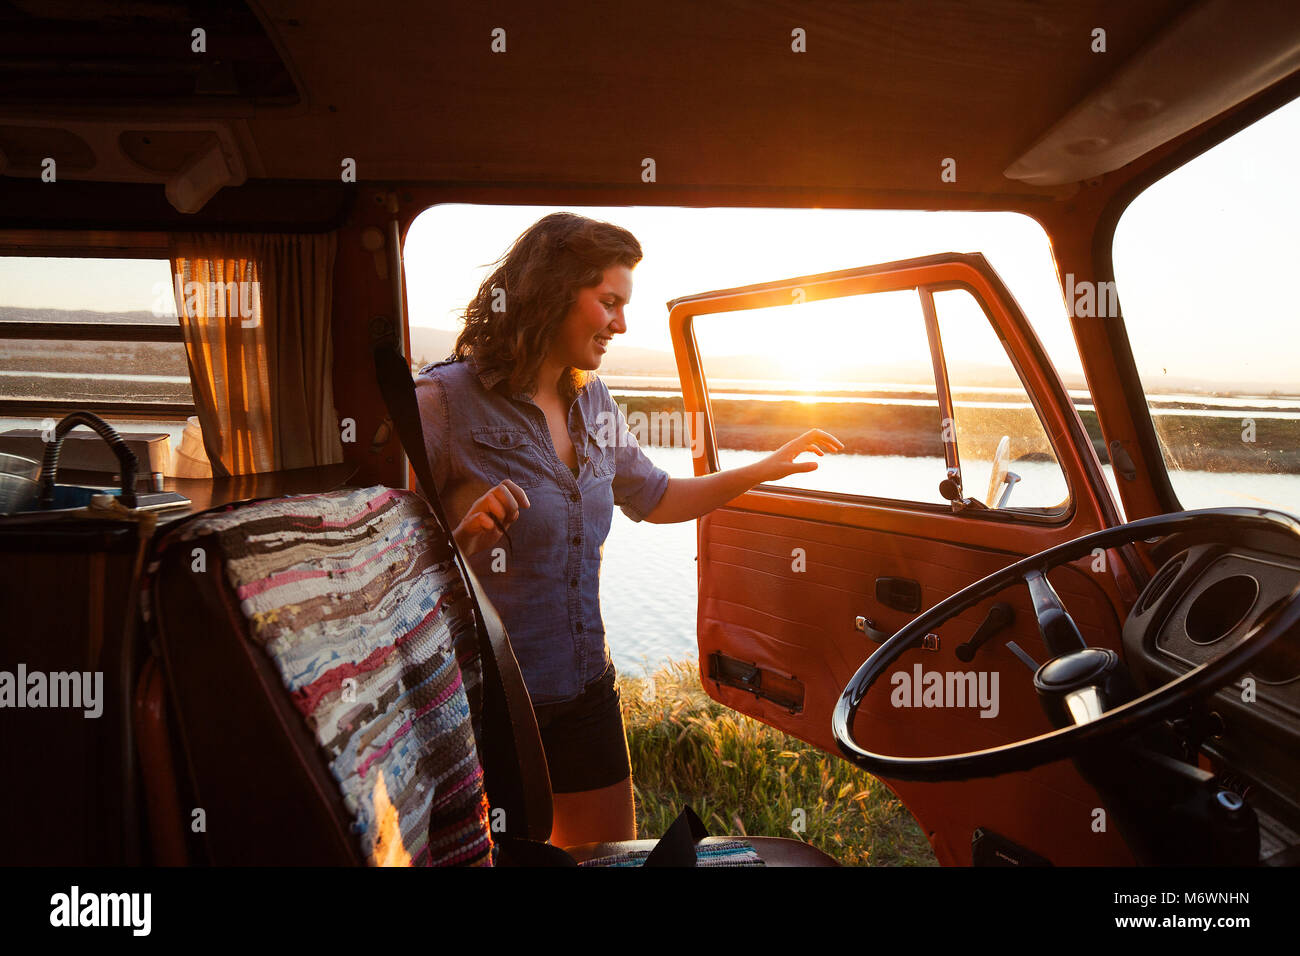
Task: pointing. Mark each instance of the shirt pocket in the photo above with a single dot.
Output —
(603, 461)
(507, 452)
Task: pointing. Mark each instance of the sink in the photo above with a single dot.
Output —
(20, 490)
(77, 496)
(70, 497)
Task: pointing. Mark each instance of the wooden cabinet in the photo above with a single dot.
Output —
(68, 793)
(69, 783)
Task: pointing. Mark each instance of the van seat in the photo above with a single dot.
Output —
(323, 677)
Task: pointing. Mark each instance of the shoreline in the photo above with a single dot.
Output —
(1212, 443)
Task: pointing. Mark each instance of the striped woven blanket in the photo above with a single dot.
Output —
(722, 853)
(355, 598)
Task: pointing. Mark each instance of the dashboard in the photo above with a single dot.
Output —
(1204, 600)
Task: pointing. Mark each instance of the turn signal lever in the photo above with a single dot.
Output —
(999, 618)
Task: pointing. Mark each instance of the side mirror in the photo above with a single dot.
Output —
(999, 475)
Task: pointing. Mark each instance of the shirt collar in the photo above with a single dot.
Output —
(490, 378)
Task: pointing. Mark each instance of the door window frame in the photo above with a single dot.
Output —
(968, 272)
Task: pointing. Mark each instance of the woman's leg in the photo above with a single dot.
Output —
(594, 816)
(591, 773)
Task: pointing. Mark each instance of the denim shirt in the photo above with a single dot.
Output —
(545, 583)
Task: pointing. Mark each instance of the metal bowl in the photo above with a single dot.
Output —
(20, 466)
(17, 494)
(18, 487)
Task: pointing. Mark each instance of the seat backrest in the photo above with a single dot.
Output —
(324, 678)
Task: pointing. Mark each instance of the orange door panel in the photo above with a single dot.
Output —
(800, 627)
(786, 574)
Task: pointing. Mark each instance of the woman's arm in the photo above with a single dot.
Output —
(686, 499)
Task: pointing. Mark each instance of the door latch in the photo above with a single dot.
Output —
(902, 594)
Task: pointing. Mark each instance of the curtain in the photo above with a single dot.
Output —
(255, 312)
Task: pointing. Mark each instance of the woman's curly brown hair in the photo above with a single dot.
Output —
(540, 277)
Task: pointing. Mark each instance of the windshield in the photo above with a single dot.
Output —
(1204, 259)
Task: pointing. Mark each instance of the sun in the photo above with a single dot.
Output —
(806, 377)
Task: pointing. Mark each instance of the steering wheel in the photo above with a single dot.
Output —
(1076, 677)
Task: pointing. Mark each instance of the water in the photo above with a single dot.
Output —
(998, 397)
(98, 376)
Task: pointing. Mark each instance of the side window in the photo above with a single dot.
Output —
(100, 335)
(858, 367)
(994, 419)
(91, 332)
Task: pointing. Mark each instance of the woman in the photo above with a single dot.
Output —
(517, 433)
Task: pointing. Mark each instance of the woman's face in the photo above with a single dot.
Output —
(593, 321)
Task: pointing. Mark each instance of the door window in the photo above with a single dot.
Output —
(995, 421)
(862, 368)
(858, 367)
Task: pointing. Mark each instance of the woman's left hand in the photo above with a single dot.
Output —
(781, 462)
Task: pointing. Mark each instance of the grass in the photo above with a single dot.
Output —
(745, 778)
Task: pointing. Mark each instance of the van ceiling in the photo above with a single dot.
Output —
(137, 52)
(584, 93)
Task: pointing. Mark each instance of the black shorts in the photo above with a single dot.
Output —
(584, 739)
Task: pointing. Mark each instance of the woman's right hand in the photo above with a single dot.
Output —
(489, 517)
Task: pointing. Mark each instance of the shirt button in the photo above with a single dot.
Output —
(577, 539)
(573, 583)
(579, 627)
(574, 496)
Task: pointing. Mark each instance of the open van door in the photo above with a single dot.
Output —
(964, 452)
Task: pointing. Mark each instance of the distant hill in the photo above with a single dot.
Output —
(431, 345)
(13, 313)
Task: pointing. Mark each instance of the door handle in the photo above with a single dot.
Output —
(930, 642)
(868, 627)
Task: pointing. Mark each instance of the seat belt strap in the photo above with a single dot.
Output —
(515, 774)
(677, 846)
